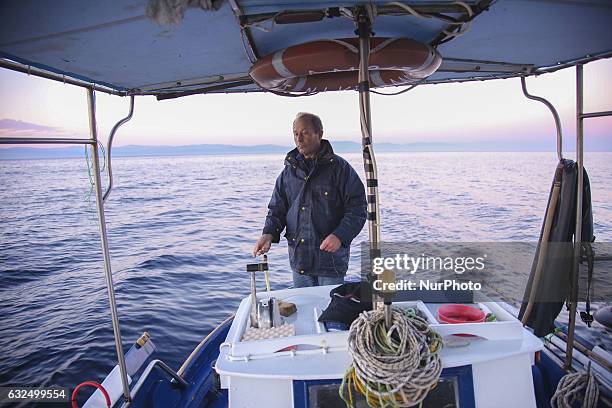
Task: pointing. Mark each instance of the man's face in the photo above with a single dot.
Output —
(307, 141)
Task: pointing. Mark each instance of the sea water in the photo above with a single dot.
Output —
(181, 230)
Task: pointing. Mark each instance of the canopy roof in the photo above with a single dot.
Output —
(114, 45)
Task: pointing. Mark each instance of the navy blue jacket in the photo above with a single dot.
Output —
(328, 199)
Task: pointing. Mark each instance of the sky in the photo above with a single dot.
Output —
(488, 113)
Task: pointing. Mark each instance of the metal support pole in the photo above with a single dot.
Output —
(554, 113)
(176, 378)
(44, 140)
(578, 234)
(253, 301)
(109, 147)
(364, 83)
(30, 70)
(369, 160)
(91, 102)
(596, 114)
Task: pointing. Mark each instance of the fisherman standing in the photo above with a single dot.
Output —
(320, 200)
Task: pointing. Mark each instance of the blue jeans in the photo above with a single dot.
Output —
(303, 281)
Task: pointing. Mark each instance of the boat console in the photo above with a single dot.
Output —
(483, 363)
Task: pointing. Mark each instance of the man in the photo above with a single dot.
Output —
(320, 200)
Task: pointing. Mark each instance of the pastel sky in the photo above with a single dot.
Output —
(472, 113)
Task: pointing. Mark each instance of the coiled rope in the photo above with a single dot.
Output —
(395, 366)
(463, 26)
(171, 12)
(570, 388)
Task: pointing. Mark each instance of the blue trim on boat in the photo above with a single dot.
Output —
(203, 389)
(546, 375)
(465, 383)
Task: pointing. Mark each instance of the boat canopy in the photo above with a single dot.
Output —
(117, 47)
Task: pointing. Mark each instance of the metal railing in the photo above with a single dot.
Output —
(93, 141)
(44, 140)
(176, 378)
(552, 110)
(109, 147)
(66, 79)
(580, 116)
(91, 104)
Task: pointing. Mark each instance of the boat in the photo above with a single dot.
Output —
(214, 46)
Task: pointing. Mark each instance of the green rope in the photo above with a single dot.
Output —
(90, 172)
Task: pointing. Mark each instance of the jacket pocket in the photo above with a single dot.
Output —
(295, 260)
(326, 193)
(334, 263)
(327, 263)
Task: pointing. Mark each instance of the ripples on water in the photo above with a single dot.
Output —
(180, 231)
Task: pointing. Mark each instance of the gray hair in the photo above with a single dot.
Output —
(315, 121)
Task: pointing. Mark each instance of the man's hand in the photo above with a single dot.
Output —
(262, 245)
(330, 244)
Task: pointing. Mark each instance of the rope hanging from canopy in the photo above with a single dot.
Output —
(171, 12)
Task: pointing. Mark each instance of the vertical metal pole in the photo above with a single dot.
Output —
(253, 301)
(366, 133)
(578, 235)
(91, 102)
(364, 78)
(371, 169)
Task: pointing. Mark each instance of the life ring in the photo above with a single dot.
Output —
(333, 65)
(90, 384)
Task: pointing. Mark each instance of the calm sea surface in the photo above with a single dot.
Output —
(181, 230)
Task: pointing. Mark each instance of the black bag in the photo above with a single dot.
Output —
(347, 302)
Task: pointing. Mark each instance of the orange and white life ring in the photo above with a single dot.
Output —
(333, 65)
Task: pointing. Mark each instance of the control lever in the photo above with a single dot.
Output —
(253, 269)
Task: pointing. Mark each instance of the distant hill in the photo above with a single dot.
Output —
(13, 153)
(203, 149)
(133, 150)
